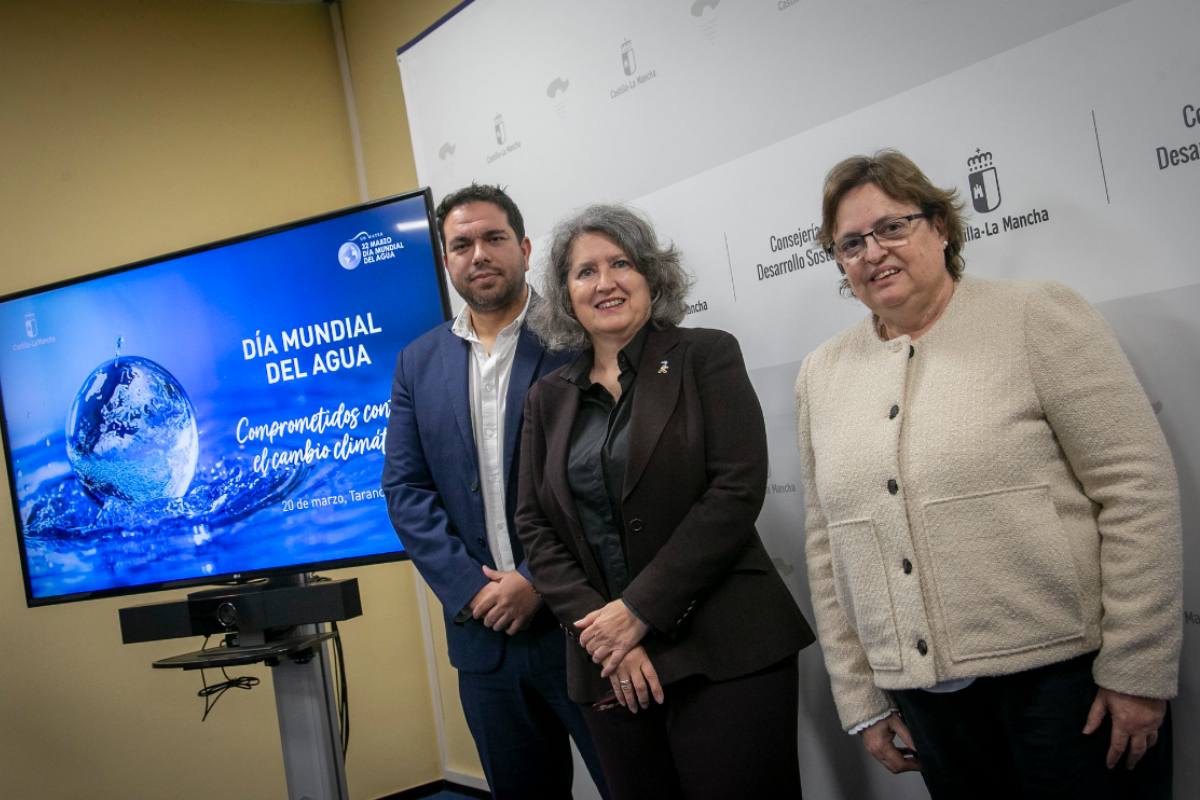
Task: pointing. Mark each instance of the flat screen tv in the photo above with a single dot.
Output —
(218, 413)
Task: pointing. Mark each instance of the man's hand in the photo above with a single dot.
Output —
(879, 739)
(1135, 722)
(507, 603)
(608, 633)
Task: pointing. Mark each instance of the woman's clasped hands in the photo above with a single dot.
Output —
(610, 635)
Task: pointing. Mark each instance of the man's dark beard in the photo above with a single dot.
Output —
(511, 293)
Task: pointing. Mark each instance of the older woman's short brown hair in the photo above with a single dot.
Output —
(901, 179)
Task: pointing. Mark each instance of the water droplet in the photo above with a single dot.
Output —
(135, 438)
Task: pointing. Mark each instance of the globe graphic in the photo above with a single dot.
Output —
(131, 432)
(349, 255)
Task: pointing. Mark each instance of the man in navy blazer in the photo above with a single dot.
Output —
(450, 477)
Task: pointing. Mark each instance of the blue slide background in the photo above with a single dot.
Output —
(190, 314)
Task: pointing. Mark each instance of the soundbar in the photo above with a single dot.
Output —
(242, 609)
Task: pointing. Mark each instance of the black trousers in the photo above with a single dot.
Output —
(731, 739)
(1020, 736)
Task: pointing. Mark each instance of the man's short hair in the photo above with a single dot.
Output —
(477, 193)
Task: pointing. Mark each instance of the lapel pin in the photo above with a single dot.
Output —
(664, 367)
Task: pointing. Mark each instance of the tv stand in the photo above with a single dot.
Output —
(297, 648)
(279, 623)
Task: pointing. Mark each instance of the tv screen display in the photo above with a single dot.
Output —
(218, 413)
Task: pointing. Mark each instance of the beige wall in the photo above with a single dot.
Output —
(131, 128)
(374, 29)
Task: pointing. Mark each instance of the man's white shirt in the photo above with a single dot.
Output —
(488, 382)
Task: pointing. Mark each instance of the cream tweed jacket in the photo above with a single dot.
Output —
(992, 497)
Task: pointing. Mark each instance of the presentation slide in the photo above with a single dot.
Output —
(217, 412)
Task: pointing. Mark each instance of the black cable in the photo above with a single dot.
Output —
(343, 690)
(212, 694)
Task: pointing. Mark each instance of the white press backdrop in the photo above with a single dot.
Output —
(1072, 128)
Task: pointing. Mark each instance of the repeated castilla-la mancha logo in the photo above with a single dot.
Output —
(629, 65)
(628, 57)
(983, 182)
(501, 134)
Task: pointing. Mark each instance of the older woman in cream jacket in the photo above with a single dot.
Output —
(993, 534)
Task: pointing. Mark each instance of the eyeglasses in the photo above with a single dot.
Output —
(892, 232)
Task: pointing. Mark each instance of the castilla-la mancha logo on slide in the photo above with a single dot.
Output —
(985, 186)
(498, 129)
(628, 57)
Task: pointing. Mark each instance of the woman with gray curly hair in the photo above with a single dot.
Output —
(643, 469)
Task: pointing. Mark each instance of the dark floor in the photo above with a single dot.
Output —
(439, 790)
